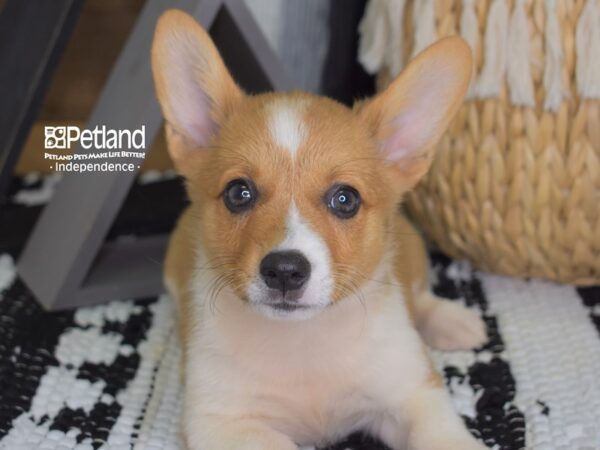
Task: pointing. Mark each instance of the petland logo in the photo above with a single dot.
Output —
(101, 138)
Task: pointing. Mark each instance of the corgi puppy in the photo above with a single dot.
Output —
(302, 293)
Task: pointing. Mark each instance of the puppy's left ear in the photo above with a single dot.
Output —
(410, 116)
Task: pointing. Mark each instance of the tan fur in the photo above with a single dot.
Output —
(410, 261)
(255, 382)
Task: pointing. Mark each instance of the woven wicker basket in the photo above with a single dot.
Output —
(515, 187)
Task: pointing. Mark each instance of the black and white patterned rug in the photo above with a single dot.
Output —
(106, 377)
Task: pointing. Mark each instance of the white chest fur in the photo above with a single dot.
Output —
(322, 377)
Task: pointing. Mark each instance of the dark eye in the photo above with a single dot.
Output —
(343, 201)
(239, 195)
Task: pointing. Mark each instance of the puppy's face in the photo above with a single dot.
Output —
(294, 193)
(293, 202)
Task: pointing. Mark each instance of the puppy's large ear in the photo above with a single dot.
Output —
(194, 88)
(410, 116)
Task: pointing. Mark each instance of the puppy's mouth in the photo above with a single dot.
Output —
(285, 301)
(286, 306)
(275, 304)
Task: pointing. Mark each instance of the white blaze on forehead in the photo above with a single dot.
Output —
(286, 126)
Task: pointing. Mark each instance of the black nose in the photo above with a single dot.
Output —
(285, 271)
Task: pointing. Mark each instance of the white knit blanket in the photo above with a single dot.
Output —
(106, 377)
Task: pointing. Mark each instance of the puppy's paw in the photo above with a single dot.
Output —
(451, 326)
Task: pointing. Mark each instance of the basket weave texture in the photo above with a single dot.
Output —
(515, 187)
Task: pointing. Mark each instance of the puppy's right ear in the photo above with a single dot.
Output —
(194, 88)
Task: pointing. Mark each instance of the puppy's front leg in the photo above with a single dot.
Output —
(442, 324)
(226, 433)
(433, 424)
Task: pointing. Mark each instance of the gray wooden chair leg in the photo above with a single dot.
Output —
(65, 262)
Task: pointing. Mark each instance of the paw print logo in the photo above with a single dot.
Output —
(55, 137)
